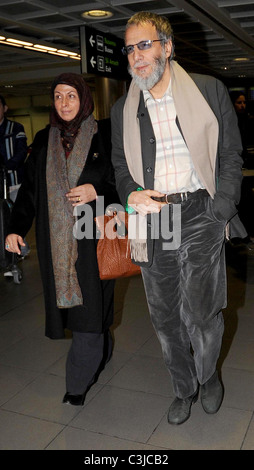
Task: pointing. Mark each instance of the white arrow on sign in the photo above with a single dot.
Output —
(92, 41)
(92, 62)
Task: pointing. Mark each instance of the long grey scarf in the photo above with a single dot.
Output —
(63, 174)
(200, 129)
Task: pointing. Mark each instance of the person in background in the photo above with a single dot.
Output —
(246, 126)
(13, 147)
(13, 153)
(69, 166)
(176, 150)
(245, 122)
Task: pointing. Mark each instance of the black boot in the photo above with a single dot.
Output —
(76, 400)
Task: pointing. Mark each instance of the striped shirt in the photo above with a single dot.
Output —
(174, 170)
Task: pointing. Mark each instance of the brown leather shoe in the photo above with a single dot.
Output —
(180, 409)
(212, 393)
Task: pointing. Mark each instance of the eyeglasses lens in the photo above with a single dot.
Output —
(143, 45)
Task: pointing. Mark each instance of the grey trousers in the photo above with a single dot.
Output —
(186, 291)
(87, 356)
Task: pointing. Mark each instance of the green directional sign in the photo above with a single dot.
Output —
(101, 54)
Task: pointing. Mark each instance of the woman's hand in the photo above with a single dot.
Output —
(13, 243)
(81, 194)
(143, 204)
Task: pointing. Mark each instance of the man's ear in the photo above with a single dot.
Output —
(5, 108)
(169, 48)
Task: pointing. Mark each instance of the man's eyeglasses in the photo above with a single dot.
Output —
(142, 46)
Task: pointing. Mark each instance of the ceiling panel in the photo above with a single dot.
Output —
(209, 35)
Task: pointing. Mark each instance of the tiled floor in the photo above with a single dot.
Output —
(127, 408)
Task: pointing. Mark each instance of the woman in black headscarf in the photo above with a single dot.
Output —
(70, 166)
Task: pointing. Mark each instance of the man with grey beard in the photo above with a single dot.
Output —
(157, 69)
(176, 150)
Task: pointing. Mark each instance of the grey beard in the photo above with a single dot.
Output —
(149, 82)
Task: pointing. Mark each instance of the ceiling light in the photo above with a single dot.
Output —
(21, 43)
(61, 51)
(33, 48)
(93, 14)
(46, 48)
(58, 53)
(10, 44)
(39, 48)
(241, 59)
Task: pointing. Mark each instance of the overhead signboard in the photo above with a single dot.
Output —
(101, 54)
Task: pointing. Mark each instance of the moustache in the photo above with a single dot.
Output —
(140, 64)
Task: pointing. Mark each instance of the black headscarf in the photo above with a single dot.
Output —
(69, 129)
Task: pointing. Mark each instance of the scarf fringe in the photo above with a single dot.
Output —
(138, 250)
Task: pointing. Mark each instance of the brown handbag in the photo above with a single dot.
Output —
(113, 254)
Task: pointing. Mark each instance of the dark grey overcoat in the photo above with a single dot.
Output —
(228, 165)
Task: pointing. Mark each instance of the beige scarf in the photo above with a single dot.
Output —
(62, 175)
(199, 127)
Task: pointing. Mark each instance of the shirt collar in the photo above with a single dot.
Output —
(148, 96)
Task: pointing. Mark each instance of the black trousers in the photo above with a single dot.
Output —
(186, 291)
(88, 354)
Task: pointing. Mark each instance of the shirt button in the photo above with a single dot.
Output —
(149, 169)
(152, 140)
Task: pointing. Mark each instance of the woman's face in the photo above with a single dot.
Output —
(66, 100)
(240, 104)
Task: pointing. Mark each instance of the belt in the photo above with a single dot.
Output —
(178, 198)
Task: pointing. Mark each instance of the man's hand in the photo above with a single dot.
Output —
(142, 203)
